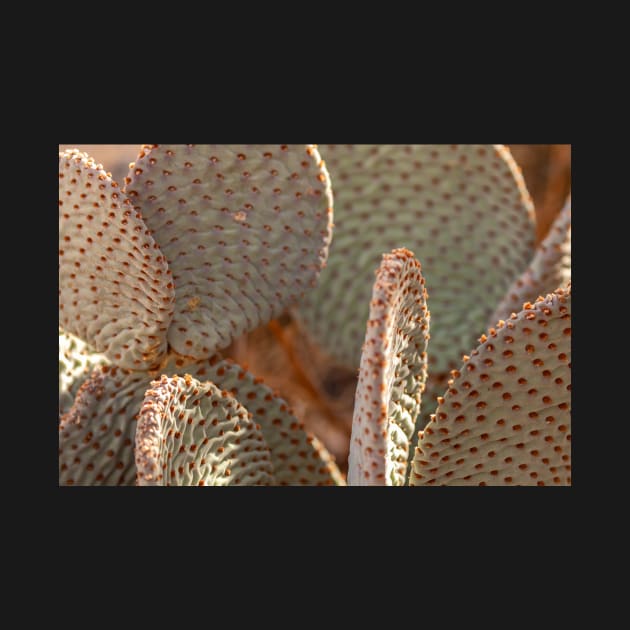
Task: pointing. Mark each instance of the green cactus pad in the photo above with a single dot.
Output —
(76, 362)
(462, 209)
(194, 434)
(549, 269)
(392, 374)
(245, 230)
(298, 457)
(115, 292)
(506, 417)
(107, 407)
(96, 437)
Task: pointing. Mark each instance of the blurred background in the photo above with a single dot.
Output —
(273, 351)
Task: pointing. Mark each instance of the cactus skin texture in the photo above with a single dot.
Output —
(462, 209)
(550, 268)
(245, 230)
(218, 240)
(255, 225)
(114, 287)
(298, 457)
(76, 362)
(194, 434)
(208, 242)
(97, 434)
(506, 417)
(392, 374)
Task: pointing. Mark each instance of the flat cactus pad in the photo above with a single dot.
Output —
(463, 210)
(506, 417)
(245, 230)
(114, 287)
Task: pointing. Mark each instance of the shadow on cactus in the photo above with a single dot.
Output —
(206, 243)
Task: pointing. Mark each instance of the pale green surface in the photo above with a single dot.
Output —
(191, 433)
(245, 230)
(114, 288)
(506, 419)
(466, 216)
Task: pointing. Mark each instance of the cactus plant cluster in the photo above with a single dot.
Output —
(204, 243)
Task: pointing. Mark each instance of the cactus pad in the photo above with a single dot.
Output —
(462, 209)
(549, 269)
(298, 457)
(114, 287)
(96, 437)
(392, 373)
(245, 230)
(193, 433)
(506, 417)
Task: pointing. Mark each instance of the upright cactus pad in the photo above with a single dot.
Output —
(506, 417)
(114, 287)
(392, 373)
(550, 268)
(194, 434)
(245, 230)
(97, 434)
(76, 362)
(462, 209)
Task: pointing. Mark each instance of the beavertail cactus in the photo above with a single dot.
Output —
(463, 210)
(298, 457)
(245, 230)
(506, 416)
(115, 291)
(193, 434)
(96, 436)
(205, 243)
(284, 454)
(255, 224)
(392, 374)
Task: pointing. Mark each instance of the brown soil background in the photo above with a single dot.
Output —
(321, 395)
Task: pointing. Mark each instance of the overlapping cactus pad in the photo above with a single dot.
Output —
(160, 280)
(506, 417)
(462, 209)
(115, 292)
(392, 373)
(194, 434)
(549, 269)
(245, 230)
(298, 457)
(98, 432)
(96, 436)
